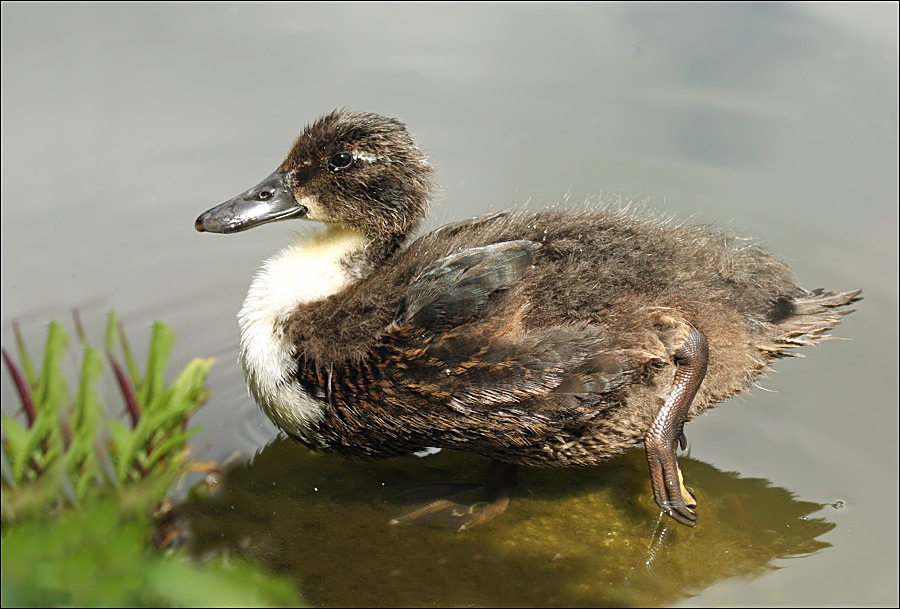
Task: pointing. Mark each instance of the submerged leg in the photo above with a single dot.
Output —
(667, 431)
(468, 508)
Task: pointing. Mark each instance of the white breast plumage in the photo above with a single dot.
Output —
(309, 270)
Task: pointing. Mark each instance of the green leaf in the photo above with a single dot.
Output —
(30, 500)
(81, 460)
(130, 465)
(88, 408)
(136, 380)
(98, 558)
(187, 387)
(178, 582)
(171, 450)
(41, 447)
(122, 446)
(109, 337)
(152, 393)
(52, 392)
(16, 436)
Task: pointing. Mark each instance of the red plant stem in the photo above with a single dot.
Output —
(79, 328)
(22, 389)
(134, 410)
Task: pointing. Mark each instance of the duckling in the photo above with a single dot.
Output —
(549, 338)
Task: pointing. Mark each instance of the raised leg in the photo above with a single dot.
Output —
(667, 431)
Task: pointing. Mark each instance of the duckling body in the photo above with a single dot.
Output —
(554, 338)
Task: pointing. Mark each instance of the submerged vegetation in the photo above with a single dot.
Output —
(81, 488)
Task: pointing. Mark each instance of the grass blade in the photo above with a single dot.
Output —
(153, 391)
(52, 392)
(81, 460)
(129, 359)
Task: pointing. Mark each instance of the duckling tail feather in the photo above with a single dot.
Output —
(805, 320)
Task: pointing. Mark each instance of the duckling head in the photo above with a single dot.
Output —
(357, 170)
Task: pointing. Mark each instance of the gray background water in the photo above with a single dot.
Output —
(120, 123)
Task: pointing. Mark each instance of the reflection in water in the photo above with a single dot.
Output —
(574, 537)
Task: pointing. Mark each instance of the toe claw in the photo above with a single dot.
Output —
(685, 516)
(680, 512)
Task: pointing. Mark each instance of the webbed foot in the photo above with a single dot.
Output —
(467, 508)
(667, 431)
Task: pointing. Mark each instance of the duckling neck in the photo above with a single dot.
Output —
(313, 268)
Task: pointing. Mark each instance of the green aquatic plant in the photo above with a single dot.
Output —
(157, 438)
(57, 457)
(35, 449)
(84, 493)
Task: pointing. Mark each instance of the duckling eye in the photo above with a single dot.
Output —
(340, 161)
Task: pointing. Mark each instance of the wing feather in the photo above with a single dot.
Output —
(445, 345)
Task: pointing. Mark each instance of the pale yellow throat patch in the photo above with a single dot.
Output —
(311, 269)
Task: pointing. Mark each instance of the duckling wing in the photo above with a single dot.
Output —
(456, 288)
(562, 375)
(447, 344)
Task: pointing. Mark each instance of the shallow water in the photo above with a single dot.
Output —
(121, 123)
(571, 538)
